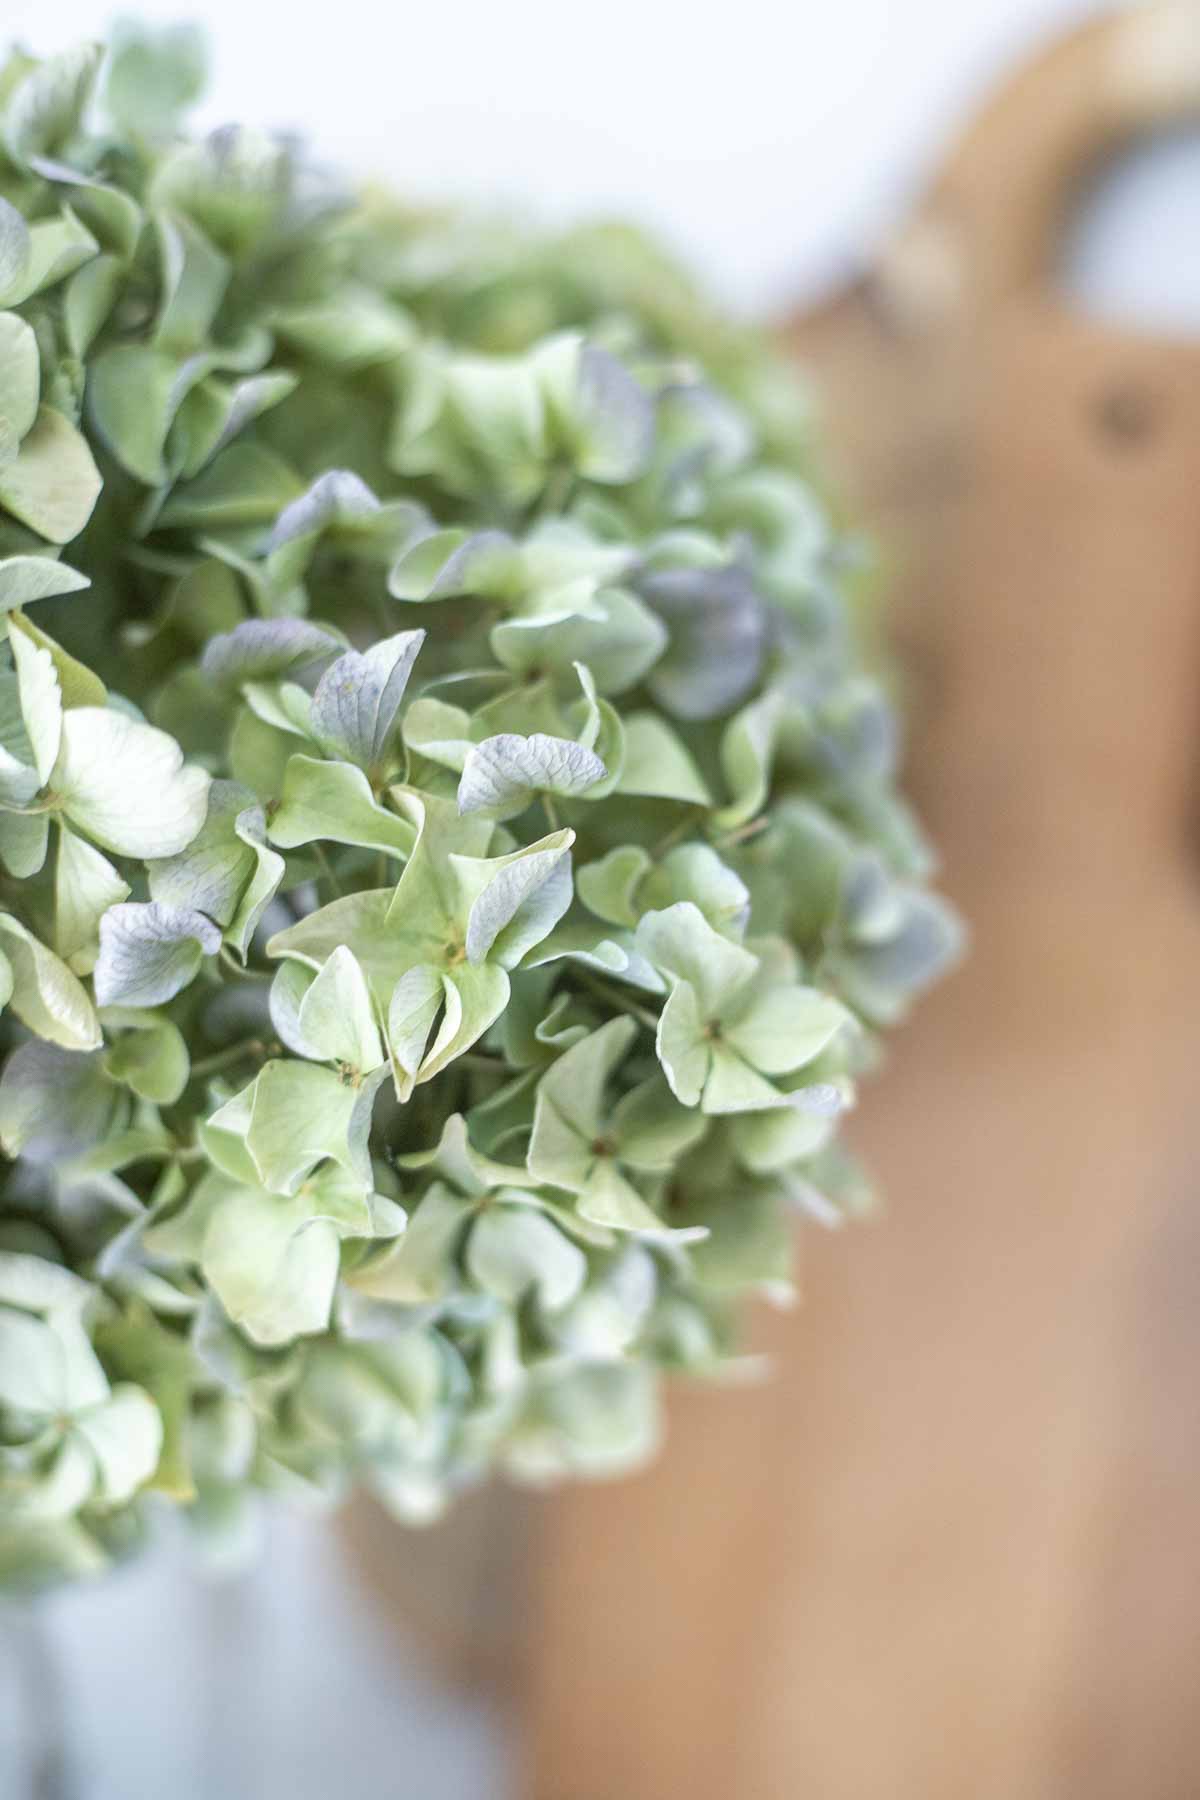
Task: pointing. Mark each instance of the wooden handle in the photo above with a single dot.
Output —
(990, 224)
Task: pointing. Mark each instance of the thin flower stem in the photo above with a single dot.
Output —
(229, 961)
(613, 997)
(556, 493)
(232, 1053)
(743, 832)
(676, 835)
(326, 867)
(551, 811)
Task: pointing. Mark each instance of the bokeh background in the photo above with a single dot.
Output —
(774, 146)
(780, 150)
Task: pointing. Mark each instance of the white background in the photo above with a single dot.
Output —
(772, 142)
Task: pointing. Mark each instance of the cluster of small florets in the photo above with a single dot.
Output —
(451, 868)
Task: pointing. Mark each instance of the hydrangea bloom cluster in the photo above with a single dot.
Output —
(451, 865)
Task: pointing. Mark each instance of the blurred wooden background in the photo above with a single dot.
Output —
(953, 1548)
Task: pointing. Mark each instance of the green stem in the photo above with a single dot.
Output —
(613, 996)
(556, 492)
(326, 868)
(676, 834)
(232, 1053)
(229, 961)
(750, 830)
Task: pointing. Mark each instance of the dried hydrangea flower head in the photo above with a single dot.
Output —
(452, 869)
